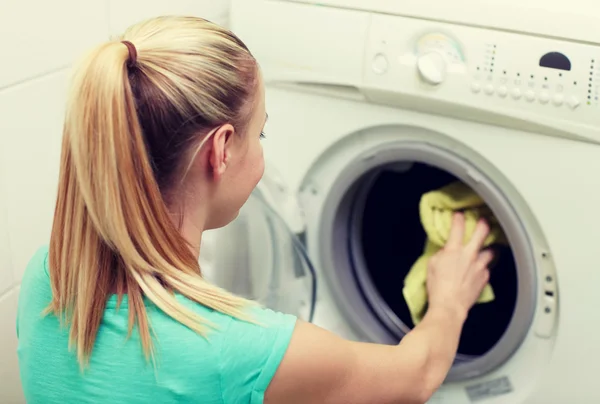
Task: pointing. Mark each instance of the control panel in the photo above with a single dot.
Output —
(485, 69)
(549, 81)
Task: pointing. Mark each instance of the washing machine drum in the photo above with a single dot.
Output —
(388, 238)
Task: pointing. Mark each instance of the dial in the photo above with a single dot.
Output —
(432, 68)
(435, 52)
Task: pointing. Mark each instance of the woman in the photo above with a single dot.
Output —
(161, 142)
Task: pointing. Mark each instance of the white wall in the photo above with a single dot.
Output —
(39, 39)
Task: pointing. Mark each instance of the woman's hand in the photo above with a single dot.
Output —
(320, 367)
(458, 272)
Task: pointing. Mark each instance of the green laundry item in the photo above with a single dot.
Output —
(436, 209)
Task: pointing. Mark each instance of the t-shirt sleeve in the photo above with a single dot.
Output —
(251, 354)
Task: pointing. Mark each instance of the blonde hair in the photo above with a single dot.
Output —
(127, 138)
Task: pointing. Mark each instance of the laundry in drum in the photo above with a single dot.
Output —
(436, 209)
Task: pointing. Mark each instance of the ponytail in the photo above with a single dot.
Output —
(112, 231)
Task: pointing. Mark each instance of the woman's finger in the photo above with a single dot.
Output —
(478, 238)
(457, 231)
(484, 258)
(484, 277)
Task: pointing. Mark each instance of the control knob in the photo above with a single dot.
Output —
(432, 67)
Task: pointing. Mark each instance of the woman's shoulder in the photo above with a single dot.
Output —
(259, 322)
(37, 266)
(245, 353)
(36, 278)
(252, 351)
(35, 291)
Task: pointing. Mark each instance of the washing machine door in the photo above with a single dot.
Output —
(260, 255)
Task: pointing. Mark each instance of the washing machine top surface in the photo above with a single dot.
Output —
(567, 20)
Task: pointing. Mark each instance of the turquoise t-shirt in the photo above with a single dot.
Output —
(234, 365)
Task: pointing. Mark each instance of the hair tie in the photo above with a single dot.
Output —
(131, 61)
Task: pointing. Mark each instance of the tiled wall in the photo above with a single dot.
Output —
(39, 39)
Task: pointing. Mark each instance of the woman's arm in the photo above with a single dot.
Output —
(320, 367)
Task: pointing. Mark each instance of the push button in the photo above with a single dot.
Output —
(380, 64)
(530, 95)
(558, 100)
(573, 102)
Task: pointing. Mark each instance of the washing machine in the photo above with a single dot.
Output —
(370, 107)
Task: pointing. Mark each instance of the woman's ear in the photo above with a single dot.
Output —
(220, 150)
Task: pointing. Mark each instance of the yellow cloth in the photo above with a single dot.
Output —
(436, 211)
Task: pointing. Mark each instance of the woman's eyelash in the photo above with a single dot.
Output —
(262, 135)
